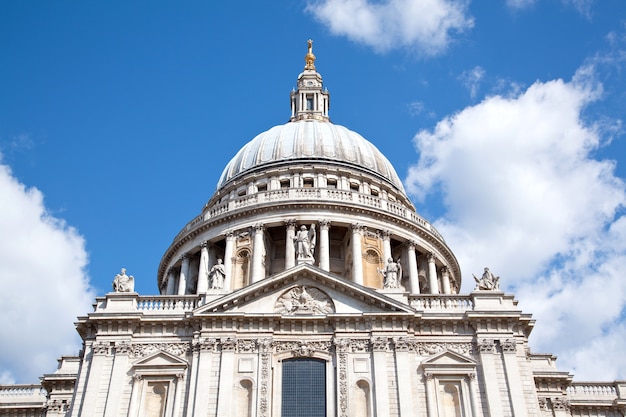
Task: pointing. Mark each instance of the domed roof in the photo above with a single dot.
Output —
(310, 141)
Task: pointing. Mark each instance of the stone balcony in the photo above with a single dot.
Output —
(310, 195)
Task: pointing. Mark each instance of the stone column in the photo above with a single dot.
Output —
(97, 367)
(408, 402)
(431, 400)
(203, 269)
(414, 282)
(513, 379)
(386, 234)
(487, 355)
(120, 367)
(171, 282)
(324, 252)
(227, 365)
(228, 259)
(432, 274)
(204, 347)
(381, 383)
(290, 248)
(258, 252)
(184, 273)
(445, 280)
(357, 260)
(473, 389)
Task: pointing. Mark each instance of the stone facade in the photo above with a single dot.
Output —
(309, 255)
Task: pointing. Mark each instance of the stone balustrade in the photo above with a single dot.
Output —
(309, 194)
(167, 303)
(22, 391)
(443, 302)
(592, 389)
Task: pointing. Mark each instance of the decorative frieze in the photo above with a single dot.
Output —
(302, 348)
(139, 350)
(265, 346)
(342, 346)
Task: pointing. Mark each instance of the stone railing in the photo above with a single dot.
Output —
(167, 303)
(443, 302)
(592, 389)
(22, 391)
(309, 194)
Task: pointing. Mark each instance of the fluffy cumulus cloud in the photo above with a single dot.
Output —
(582, 6)
(425, 26)
(525, 196)
(44, 286)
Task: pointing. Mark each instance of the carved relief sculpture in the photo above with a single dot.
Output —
(304, 300)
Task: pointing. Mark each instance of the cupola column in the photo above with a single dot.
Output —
(290, 248)
(203, 269)
(184, 273)
(445, 280)
(324, 245)
(228, 259)
(432, 274)
(357, 260)
(386, 245)
(171, 282)
(258, 250)
(414, 282)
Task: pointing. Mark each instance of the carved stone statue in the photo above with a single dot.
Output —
(123, 282)
(305, 242)
(217, 275)
(488, 281)
(392, 274)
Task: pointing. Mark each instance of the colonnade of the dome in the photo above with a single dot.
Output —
(351, 250)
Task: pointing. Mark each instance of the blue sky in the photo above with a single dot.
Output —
(503, 117)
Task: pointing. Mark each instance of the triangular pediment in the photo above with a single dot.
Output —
(160, 359)
(448, 363)
(304, 290)
(448, 357)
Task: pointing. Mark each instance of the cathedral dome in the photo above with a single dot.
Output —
(310, 141)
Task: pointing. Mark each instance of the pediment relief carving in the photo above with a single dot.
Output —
(304, 300)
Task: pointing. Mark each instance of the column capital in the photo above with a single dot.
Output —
(386, 234)
(486, 346)
(357, 228)
(324, 224)
(183, 257)
(204, 244)
(508, 346)
(291, 223)
(230, 235)
(411, 244)
(445, 271)
(258, 228)
(431, 257)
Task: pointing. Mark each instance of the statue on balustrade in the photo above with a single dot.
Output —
(123, 282)
(217, 275)
(488, 281)
(392, 274)
(305, 242)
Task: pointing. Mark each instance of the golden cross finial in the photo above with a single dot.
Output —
(309, 58)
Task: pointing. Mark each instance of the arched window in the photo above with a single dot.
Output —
(304, 388)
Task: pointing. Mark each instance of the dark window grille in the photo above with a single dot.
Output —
(304, 388)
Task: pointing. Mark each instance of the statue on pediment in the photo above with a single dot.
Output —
(488, 281)
(305, 241)
(123, 282)
(217, 275)
(392, 274)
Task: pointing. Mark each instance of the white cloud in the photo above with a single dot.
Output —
(44, 286)
(421, 25)
(520, 4)
(471, 79)
(582, 6)
(525, 196)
